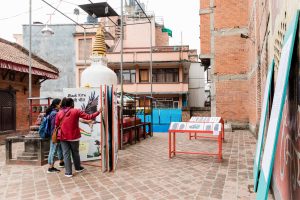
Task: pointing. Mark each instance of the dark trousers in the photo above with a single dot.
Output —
(71, 147)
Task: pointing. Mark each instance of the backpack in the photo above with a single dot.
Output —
(44, 130)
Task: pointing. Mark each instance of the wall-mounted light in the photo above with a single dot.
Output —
(246, 36)
(47, 31)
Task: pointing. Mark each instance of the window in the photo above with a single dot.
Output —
(81, 48)
(144, 75)
(128, 75)
(165, 75)
(175, 104)
(166, 102)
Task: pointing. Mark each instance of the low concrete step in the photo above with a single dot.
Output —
(34, 128)
(27, 158)
(228, 127)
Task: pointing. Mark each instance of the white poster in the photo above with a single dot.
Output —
(88, 101)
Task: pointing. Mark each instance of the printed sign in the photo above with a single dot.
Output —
(87, 100)
(196, 126)
(205, 119)
(261, 132)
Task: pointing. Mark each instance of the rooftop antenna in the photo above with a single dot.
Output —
(76, 12)
(47, 31)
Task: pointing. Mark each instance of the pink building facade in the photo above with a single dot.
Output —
(170, 64)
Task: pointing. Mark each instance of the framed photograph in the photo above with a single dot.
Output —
(217, 126)
(193, 119)
(200, 119)
(182, 126)
(208, 126)
(174, 126)
(194, 126)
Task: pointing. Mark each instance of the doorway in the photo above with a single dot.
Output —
(7, 111)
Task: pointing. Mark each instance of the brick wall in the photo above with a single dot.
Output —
(187, 113)
(22, 105)
(204, 29)
(231, 55)
(161, 38)
(231, 13)
(232, 100)
(231, 60)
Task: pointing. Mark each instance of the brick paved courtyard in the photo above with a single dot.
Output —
(145, 172)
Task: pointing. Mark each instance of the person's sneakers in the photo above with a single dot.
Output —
(61, 164)
(53, 170)
(81, 169)
(69, 175)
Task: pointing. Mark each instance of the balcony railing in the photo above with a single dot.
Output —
(165, 88)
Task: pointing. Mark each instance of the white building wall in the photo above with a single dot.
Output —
(196, 85)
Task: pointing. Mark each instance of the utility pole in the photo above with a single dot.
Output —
(212, 59)
(121, 66)
(151, 91)
(30, 35)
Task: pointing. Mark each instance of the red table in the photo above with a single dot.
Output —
(208, 135)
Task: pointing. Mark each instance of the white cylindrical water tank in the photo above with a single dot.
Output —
(98, 74)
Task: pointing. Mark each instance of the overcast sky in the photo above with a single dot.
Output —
(179, 16)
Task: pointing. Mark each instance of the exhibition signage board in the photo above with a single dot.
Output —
(196, 127)
(262, 126)
(276, 112)
(98, 139)
(88, 101)
(205, 119)
(210, 129)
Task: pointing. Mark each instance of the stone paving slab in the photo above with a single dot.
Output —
(145, 172)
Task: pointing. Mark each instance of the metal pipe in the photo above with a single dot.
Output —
(121, 66)
(212, 60)
(151, 91)
(112, 21)
(85, 47)
(30, 63)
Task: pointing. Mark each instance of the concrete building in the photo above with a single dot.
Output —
(239, 39)
(59, 50)
(197, 96)
(171, 64)
(14, 85)
(70, 49)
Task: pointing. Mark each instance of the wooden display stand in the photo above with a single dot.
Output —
(213, 130)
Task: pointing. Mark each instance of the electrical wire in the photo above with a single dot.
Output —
(17, 15)
(70, 3)
(54, 11)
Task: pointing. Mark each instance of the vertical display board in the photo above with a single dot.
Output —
(115, 128)
(99, 139)
(103, 129)
(276, 112)
(262, 125)
(109, 127)
(88, 101)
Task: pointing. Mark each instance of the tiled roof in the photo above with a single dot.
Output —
(16, 54)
